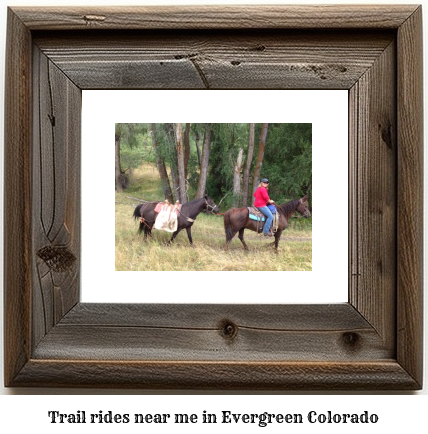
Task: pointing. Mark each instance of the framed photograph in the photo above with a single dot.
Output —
(302, 169)
(372, 341)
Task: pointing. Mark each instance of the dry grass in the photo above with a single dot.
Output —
(133, 254)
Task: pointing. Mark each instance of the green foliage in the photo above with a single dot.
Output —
(165, 139)
(135, 148)
(131, 158)
(227, 140)
(287, 159)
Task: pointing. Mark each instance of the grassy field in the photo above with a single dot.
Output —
(133, 254)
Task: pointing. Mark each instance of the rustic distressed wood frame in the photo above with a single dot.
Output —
(372, 342)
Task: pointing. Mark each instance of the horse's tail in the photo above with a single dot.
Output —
(137, 216)
(228, 226)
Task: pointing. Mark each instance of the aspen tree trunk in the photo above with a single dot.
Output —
(166, 187)
(175, 184)
(119, 176)
(186, 148)
(180, 164)
(169, 129)
(204, 162)
(260, 156)
(247, 167)
(197, 148)
(237, 180)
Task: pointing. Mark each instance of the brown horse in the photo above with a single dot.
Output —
(237, 220)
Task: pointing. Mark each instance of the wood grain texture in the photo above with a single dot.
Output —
(199, 332)
(373, 178)
(216, 60)
(384, 375)
(372, 342)
(211, 316)
(217, 17)
(56, 194)
(17, 198)
(410, 196)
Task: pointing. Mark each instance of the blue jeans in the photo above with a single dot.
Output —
(269, 218)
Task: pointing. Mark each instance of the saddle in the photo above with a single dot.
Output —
(164, 206)
(258, 216)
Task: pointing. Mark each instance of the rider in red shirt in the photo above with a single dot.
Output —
(261, 201)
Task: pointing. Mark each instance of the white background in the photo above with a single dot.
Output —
(397, 412)
(328, 113)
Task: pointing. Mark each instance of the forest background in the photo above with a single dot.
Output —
(154, 162)
(226, 161)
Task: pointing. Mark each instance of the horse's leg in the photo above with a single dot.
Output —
(147, 231)
(229, 238)
(277, 237)
(189, 235)
(232, 221)
(241, 237)
(173, 237)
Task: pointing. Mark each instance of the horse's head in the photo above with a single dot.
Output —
(303, 207)
(210, 206)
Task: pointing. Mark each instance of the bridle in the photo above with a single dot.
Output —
(306, 213)
(210, 206)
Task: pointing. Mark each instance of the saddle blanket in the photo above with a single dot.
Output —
(167, 218)
(257, 218)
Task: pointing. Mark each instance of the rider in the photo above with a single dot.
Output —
(261, 202)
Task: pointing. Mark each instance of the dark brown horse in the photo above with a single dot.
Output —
(189, 211)
(237, 220)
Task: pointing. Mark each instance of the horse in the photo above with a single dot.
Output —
(238, 219)
(187, 215)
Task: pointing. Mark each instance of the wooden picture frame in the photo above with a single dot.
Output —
(372, 342)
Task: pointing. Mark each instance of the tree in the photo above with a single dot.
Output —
(288, 160)
(180, 164)
(218, 159)
(129, 152)
(227, 140)
(186, 149)
(121, 131)
(237, 179)
(204, 162)
(160, 163)
(120, 185)
(198, 151)
(247, 167)
(170, 141)
(260, 156)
